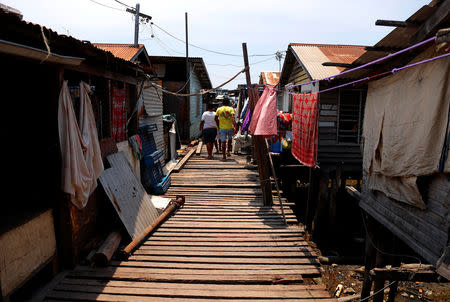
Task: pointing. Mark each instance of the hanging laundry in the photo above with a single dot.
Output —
(247, 119)
(118, 114)
(245, 108)
(264, 119)
(285, 121)
(80, 150)
(304, 128)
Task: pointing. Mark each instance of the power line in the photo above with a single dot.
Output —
(126, 5)
(205, 49)
(111, 7)
(241, 66)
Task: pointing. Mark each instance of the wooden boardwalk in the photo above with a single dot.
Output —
(223, 245)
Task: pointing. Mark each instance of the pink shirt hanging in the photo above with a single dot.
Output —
(304, 128)
(264, 117)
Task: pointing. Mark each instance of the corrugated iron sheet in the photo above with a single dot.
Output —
(195, 106)
(154, 109)
(312, 56)
(123, 51)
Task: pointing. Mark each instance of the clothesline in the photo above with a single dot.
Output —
(367, 64)
(393, 71)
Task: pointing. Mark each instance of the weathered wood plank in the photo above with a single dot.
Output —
(228, 287)
(222, 260)
(192, 293)
(77, 296)
(183, 161)
(217, 266)
(219, 277)
(303, 252)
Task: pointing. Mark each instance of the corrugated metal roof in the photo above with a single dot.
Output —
(270, 78)
(123, 51)
(311, 57)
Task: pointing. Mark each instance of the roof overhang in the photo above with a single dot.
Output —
(25, 51)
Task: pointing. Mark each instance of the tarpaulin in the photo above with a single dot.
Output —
(304, 128)
(81, 157)
(264, 117)
(405, 126)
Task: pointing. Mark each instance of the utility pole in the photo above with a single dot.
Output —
(136, 26)
(260, 150)
(187, 53)
(137, 15)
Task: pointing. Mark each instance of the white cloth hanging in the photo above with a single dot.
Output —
(81, 157)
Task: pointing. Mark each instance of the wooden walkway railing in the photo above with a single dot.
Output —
(223, 245)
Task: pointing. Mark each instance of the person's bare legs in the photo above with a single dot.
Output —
(224, 149)
(209, 147)
(230, 141)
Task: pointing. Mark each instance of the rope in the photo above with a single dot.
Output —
(46, 44)
(200, 93)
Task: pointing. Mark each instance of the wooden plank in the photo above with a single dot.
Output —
(267, 243)
(222, 260)
(219, 277)
(199, 148)
(231, 230)
(192, 293)
(228, 225)
(187, 249)
(183, 161)
(301, 253)
(127, 195)
(146, 270)
(77, 296)
(215, 185)
(228, 287)
(217, 266)
(200, 236)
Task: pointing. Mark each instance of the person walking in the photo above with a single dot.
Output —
(227, 126)
(208, 128)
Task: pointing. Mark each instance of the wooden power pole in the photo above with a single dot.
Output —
(260, 149)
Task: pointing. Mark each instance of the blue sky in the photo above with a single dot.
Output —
(222, 26)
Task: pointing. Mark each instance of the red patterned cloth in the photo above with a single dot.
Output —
(118, 115)
(304, 128)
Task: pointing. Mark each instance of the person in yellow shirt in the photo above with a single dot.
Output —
(227, 126)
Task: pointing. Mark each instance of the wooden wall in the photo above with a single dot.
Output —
(425, 231)
(331, 151)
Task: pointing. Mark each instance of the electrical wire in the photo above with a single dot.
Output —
(111, 7)
(380, 251)
(126, 5)
(378, 291)
(200, 93)
(205, 49)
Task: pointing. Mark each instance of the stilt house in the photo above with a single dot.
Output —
(406, 186)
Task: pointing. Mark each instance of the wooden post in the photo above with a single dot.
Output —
(260, 149)
(107, 249)
(370, 255)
